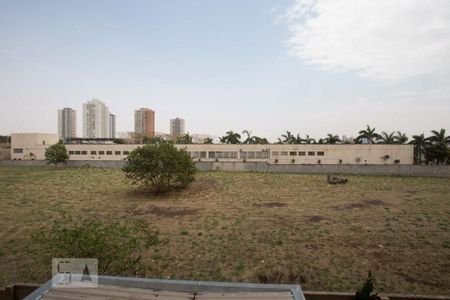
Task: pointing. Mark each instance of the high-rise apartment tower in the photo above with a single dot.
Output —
(144, 122)
(67, 123)
(96, 120)
(176, 128)
(112, 125)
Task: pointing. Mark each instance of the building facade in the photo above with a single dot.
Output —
(96, 119)
(176, 128)
(112, 126)
(144, 122)
(67, 123)
(354, 154)
(31, 146)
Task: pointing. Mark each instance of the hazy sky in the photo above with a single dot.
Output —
(313, 67)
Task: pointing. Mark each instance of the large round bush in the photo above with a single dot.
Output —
(159, 167)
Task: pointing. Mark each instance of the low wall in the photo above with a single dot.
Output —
(20, 291)
(69, 163)
(395, 170)
(5, 153)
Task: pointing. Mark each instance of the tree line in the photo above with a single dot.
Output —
(432, 149)
(5, 139)
(366, 136)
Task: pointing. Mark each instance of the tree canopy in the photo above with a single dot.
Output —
(185, 139)
(368, 134)
(5, 139)
(208, 140)
(56, 153)
(332, 139)
(159, 167)
(231, 137)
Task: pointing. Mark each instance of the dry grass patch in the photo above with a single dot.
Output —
(248, 226)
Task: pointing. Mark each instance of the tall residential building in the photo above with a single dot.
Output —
(144, 122)
(67, 123)
(96, 119)
(176, 128)
(112, 125)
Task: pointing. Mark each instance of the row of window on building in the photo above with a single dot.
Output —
(213, 154)
(100, 152)
(298, 153)
(264, 154)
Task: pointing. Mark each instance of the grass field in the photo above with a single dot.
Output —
(249, 226)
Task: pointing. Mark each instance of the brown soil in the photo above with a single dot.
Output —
(314, 219)
(365, 203)
(168, 212)
(271, 204)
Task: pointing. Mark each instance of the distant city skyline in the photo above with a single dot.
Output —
(98, 122)
(262, 65)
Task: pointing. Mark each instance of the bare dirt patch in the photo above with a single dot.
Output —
(202, 184)
(411, 192)
(365, 203)
(168, 212)
(314, 219)
(271, 204)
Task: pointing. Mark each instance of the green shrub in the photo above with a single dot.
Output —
(56, 153)
(366, 291)
(159, 167)
(116, 244)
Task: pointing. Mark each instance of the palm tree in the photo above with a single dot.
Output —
(386, 138)
(368, 134)
(298, 139)
(332, 139)
(259, 140)
(208, 140)
(231, 138)
(309, 140)
(436, 150)
(419, 142)
(152, 140)
(184, 139)
(288, 138)
(439, 137)
(248, 140)
(401, 138)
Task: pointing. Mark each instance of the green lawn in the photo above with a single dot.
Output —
(255, 227)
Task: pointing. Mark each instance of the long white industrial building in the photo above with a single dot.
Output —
(31, 146)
